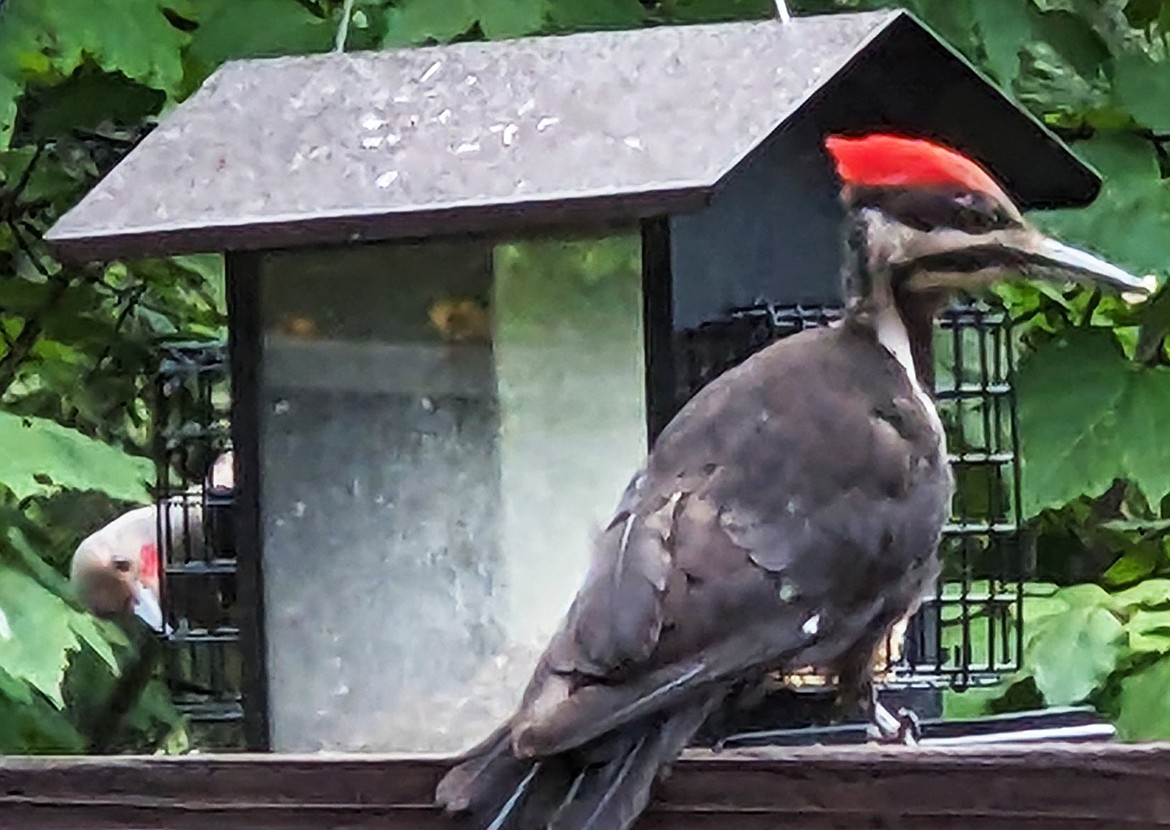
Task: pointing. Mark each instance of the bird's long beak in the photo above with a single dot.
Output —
(951, 258)
(146, 607)
(1046, 258)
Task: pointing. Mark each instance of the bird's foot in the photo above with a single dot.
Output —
(887, 728)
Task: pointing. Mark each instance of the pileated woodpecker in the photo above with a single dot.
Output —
(788, 516)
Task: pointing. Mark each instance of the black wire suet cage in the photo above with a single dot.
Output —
(971, 632)
(193, 494)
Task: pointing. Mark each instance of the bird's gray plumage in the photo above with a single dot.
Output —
(787, 517)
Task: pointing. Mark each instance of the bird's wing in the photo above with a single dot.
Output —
(774, 521)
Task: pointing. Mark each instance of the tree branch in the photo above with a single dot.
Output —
(22, 182)
(133, 298)
(27, 250)
(26, 338)
(1091, 308)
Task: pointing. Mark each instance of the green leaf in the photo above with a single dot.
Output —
(30, 723)
(10, 91)
(1152, 593)
(578, 15)
(1144, 705)
(423, 21)
(1142, 87)
(1129, 222)
(1154, 326)
(1050, 86)
(510, 18)
(87, 100)
(969, 703)
(1070, 655)
(712, 11)
(232, 30)
(1074, 38)
(1145, 450)
(98, 635)
(209, 269)
(1086, 595)
(24, 297)
(43, 180)
(35, 635)
(17, 550)
(1037, 608)
(45, 42)
(69, 459)
(1087, 416)
(154, 707)
(1135, 565)
(1149, 631)
(1006, 28)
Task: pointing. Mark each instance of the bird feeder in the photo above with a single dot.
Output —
(468, 284)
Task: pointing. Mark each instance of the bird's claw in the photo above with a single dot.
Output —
(887, 728)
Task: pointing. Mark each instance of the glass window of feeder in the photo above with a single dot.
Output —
(445, 426)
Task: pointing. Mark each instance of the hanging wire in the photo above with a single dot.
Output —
(343, 27)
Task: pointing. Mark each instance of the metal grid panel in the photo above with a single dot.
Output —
(198, 591)
(970, 633)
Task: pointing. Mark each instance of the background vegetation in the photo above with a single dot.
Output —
(82, 80)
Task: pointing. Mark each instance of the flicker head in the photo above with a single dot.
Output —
(114, 582)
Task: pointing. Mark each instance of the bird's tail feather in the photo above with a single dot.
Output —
(484, 777)
(604, 788)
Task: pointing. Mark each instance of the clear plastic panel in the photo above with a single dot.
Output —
(445, 427)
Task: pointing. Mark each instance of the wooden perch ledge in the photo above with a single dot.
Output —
(1103, 787)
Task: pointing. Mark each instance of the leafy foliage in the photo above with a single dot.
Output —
(55, 456)
(46, 643)
(228, 30)
(1111, 649)
(1093, 380)
(82, 80)
(1088, 416)
(44, 43)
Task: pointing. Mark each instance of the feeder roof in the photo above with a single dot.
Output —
(479, 136)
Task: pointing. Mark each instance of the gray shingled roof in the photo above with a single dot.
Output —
(405, 142)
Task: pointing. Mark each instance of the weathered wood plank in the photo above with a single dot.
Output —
(1039, 787)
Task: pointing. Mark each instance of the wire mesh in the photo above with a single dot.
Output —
(193, 494)
(971, 631)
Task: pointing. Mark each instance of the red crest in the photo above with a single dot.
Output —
(880, 160)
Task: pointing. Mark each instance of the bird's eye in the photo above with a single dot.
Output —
(977, 213)
(122, 564)
(973, 220)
